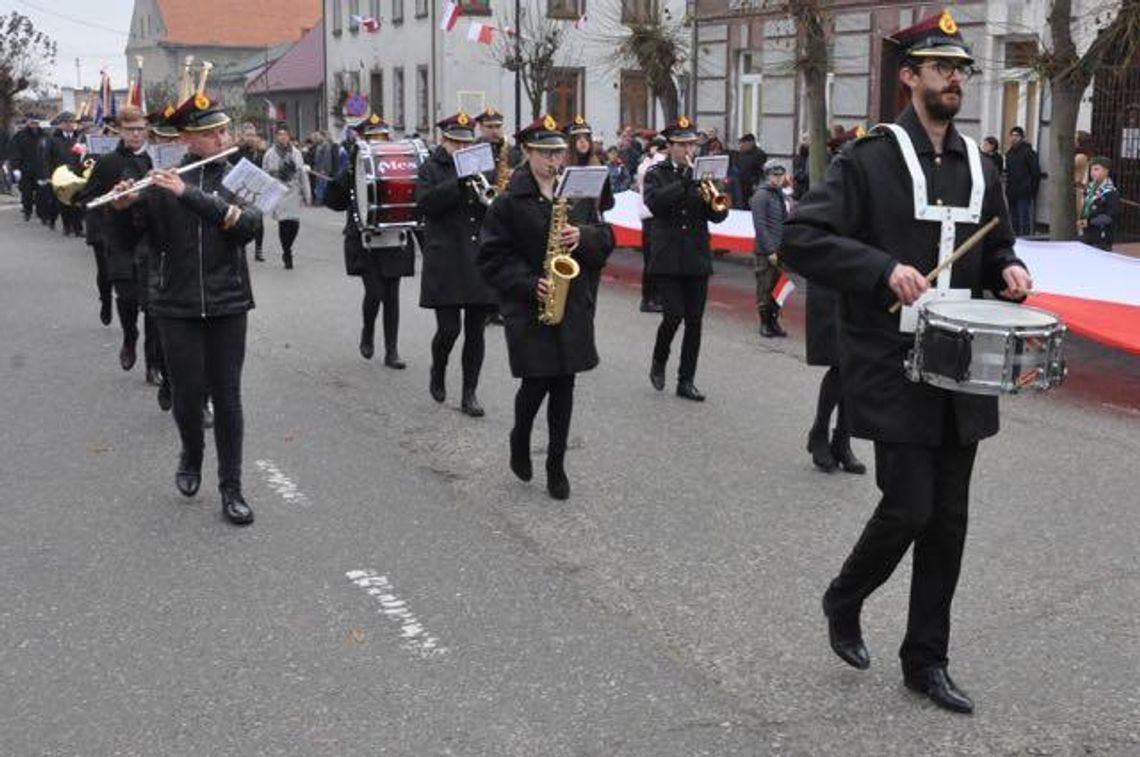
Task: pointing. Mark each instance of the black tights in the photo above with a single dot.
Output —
(830, 398)
(287, 232)
(558, 410)
(382, 289)
(447, 331)
(102, 278)
(206, 356)
(127, 303)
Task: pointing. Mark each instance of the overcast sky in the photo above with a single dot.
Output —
(94, 31)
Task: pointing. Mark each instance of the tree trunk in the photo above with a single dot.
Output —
(1065, 95)
(669, 100)
(813, 64)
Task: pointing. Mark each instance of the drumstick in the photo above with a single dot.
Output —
(963, 248)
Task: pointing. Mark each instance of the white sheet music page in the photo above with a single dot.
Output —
(711, 167)
(472, 160)
(579, 182)
(254, 186)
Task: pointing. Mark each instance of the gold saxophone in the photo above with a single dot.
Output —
(503, 168)
(559, 268)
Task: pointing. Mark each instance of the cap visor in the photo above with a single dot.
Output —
(943, 51)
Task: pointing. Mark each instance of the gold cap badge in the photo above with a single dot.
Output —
(463, 120)
(549, 123)
(947, 24)
(683, 122)
(201, 102)
(579, 120)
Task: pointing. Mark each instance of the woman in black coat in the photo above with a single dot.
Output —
(451, 283)
(823, 349)
(379, 268)
(511, 256)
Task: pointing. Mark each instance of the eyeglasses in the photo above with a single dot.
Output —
(132, 128)
(946, 69)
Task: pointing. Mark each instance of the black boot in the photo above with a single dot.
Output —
(258, 255)
(842, 454)
(774, 325)
(127, 353)
(436, 385)
(287, 258)
(188, 477)
(105, 311)
(557, 483)
(520, 455)
(234, 507)
(367, 343)
(392, 360)
(164, 398)
(470, 403)
(820, 450)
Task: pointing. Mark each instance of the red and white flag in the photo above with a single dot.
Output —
(783, 289)
(450, 15)
(481, 33)
(580, 24)
(367, 23)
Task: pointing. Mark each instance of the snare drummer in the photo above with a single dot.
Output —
(859, 233)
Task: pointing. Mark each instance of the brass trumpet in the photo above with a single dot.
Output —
(484, 192)
(717, 200)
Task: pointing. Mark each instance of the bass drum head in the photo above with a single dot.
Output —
(992, 313)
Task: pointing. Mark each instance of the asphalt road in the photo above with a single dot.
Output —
(402, 594)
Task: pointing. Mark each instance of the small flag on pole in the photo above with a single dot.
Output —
(783, 289)
(367, 23)
(140, 94)
(450, 15)
(580, 24)
(481, 33)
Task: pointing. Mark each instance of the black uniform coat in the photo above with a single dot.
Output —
(197, 268)
(511, 255)
(822, 325)
(109, 170)
(1022, 172)
(851, 232)
(452, 217)
(391, 262)
(31, 153)
(678, 230)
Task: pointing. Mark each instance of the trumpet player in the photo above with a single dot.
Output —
(451, 284)
(518, 236)
(682, 259)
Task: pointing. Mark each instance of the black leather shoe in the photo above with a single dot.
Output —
(188, 477)
(164, 398)
(844, 457)
(657, 375)
(936, 684)
(846, 641)
(392, 360)
(820, 450)
(687, 390)
(208, 415)
(105, 312)
(557, 483)
(235, 508)
(259, 256)
(520, 457)
(127, 355)
(470, 404)
(656, 307)
(436, 385)
(766, 329)
(287, 258)
(367, 347)
(153, 375)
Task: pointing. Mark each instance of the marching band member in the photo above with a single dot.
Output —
(861, 234)
(451, 282)
(380, 269)
(200, 293)
(583, 153)
(682, 260)
(514, 246)
(67, 151)
(129, 160)
(490, 123)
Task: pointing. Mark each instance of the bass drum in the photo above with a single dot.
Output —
(386, 190)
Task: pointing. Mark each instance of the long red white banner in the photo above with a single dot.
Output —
(1096, 293)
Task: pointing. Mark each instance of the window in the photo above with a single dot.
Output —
(637, 11)
(569, 9)
(354, 16)
(421, 8)
(1020, 54)
(338, 16)
(422, 105)
(398, 97)
(634, 99)
(564, 100)
(748, 115)
(475, 7)
(376, 93)
(374, 9)
(397, 11)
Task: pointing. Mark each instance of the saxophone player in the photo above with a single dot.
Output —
(490, 123)
(516, 241)
(682, 259)
(452, 285)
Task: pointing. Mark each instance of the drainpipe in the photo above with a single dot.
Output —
(692, 10)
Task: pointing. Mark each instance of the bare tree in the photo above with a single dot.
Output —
(657, 46)
(529, 50)
(813, 62)
(25, 55)
(1069, 74)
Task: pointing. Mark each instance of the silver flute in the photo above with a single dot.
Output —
(144, 183)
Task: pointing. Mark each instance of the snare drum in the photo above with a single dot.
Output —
(986, 347)
(386, 187)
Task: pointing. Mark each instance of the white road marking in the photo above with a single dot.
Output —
(281, 483)
(416, 638)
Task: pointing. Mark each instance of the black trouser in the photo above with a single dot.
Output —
(102, 273)
(830, 398)
(29, 190)
(287, 232)
(925, 503)
(683, 299)
(382, 289)
(558, 411)
(152, 346)
(205, 355)
(447, 331)
(72, 219)
(127, 303)
(47, 208)
(648, 285)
